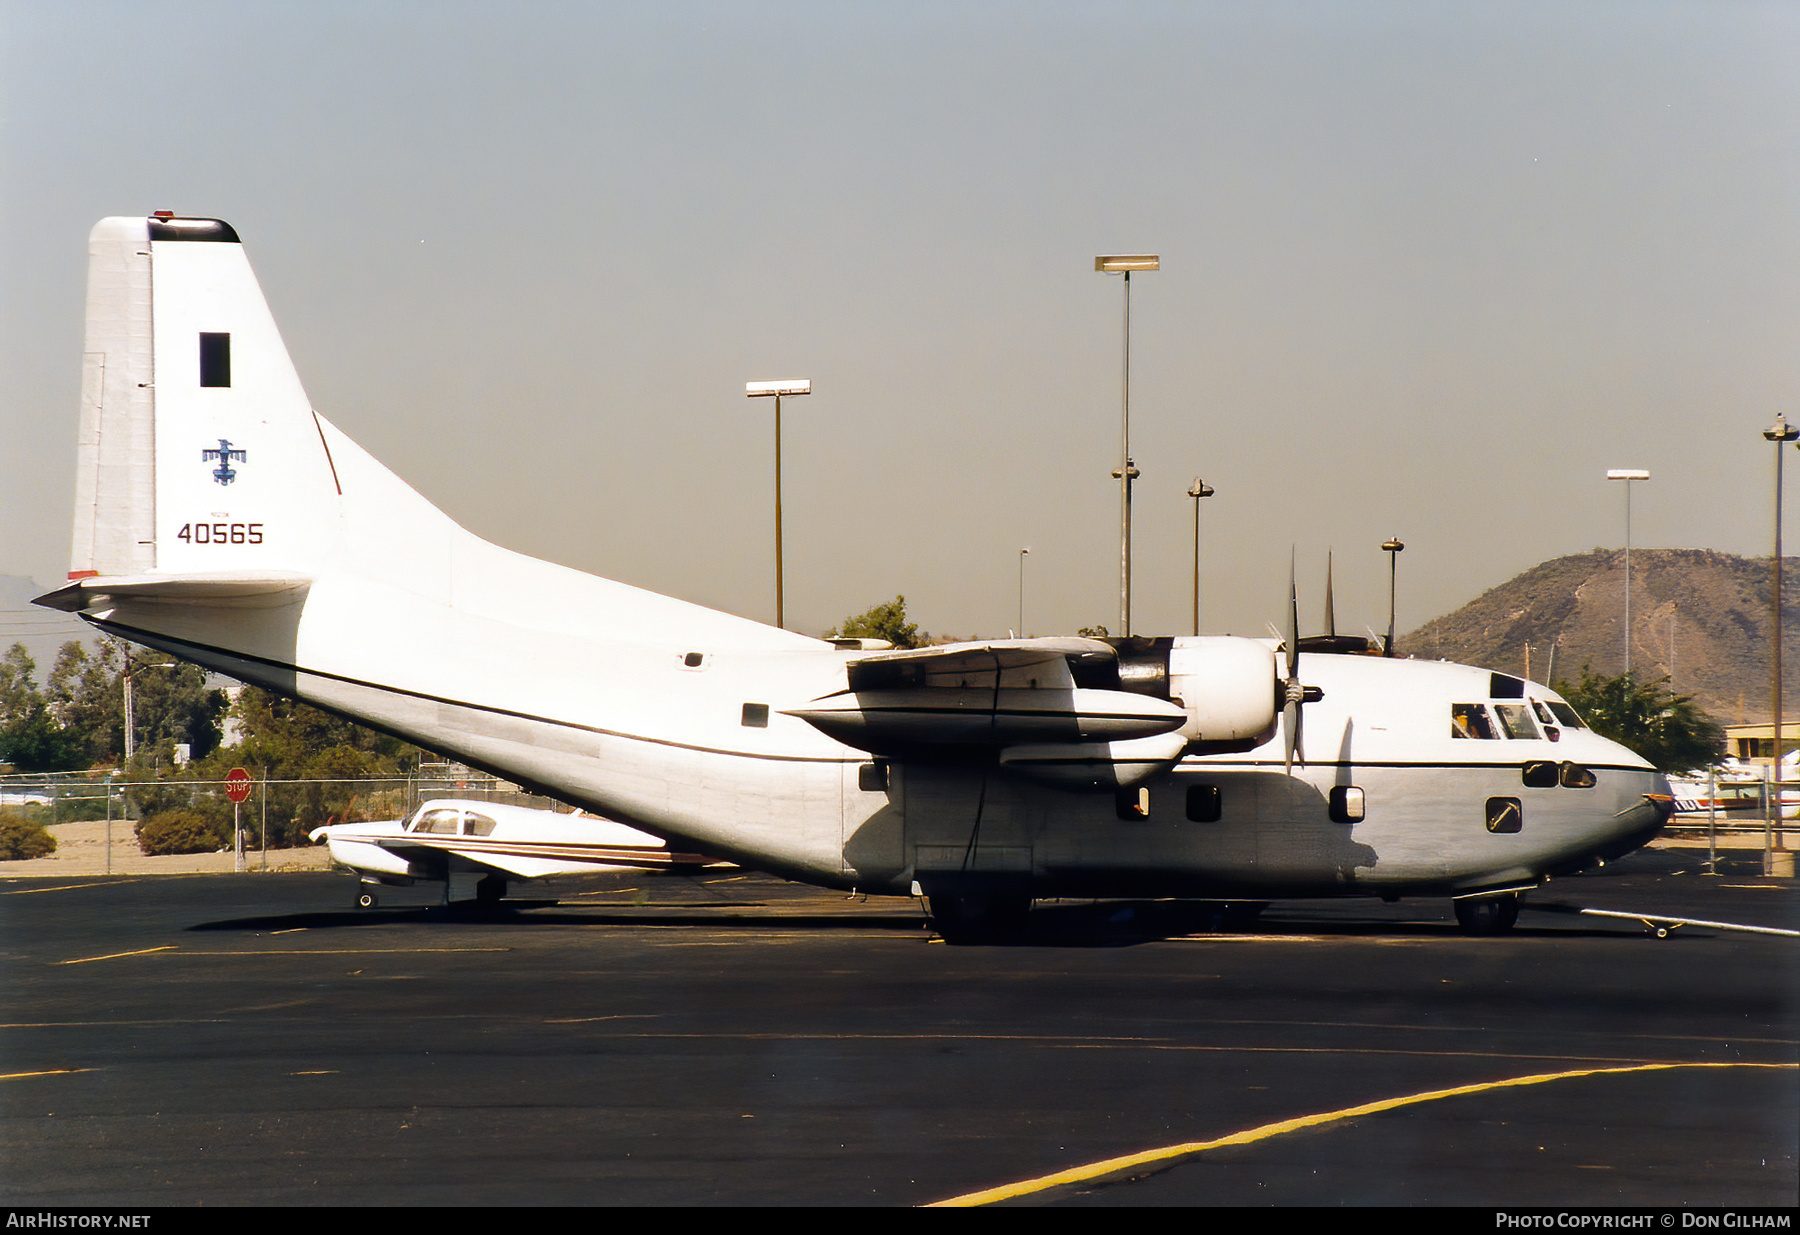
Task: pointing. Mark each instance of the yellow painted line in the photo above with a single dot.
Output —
(113, 956)
(13, 1076)
(1110, 1166)
(348, 952)
(288, 952)
(68, 887)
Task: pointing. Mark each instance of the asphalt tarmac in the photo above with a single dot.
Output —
(734, 1039)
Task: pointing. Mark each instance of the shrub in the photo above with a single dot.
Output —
(180, 831)
(20, 838)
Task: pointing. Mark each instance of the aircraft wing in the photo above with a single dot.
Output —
(938, 665)
(428, 855)
(529, 859)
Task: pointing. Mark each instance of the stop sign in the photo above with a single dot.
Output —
(237, 784)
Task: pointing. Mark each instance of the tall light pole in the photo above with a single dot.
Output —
(1125, 263)
(1779, 433)
(764, 390)
(1199, 489)
(1393, 546)
(1023, 553)
(1628, 474)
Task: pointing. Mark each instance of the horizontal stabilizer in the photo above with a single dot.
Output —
(236, 589)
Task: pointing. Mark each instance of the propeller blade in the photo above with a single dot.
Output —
(1330, 613)
(1294, 693)
(1293, 624)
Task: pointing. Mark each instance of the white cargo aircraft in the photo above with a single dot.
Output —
(221, 519)
(499, 842)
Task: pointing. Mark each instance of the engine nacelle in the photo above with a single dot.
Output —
(1095, 765)
(1226, 684)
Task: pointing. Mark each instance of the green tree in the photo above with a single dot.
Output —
(1668, 729)
(884, 621)
(289, 741)
(86, 695)
(31, 738)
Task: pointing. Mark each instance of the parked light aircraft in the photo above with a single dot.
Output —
(499, 842)
(221, 519)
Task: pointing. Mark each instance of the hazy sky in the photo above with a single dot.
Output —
(1429, 270)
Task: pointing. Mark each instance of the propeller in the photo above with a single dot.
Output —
(1294, 695)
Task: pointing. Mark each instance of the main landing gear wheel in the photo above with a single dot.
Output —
(1487, 915)
(975, 919)
(489, 890)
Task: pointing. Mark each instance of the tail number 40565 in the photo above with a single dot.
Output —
(221, 533)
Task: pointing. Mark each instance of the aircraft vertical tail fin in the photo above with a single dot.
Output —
(199, 453)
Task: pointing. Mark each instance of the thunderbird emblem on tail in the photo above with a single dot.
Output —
(226, 456)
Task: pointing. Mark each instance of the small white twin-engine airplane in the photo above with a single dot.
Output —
(498, 842)
(221, 519)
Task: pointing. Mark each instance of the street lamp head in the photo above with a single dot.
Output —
(1627, 473)
(1394, 545)
(788, 386)
(1781, 431)
(1199, 489)
(1125, 262)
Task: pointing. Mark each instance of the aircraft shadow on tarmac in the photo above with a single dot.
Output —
(1069, 924)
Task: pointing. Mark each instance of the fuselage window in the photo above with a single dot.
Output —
(477, 825)
(1470, 720)
(872, 777)
(439, 822)
(1515, 719)
(1539, 774)
(1566, 715)
(1346, 804)
(1504, 815)
(1574, 776)
(756, 715)
(1205, 803)
(1549, 720)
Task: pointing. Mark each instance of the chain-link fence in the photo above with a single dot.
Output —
(283, 811)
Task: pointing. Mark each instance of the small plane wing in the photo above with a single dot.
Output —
(527, 859)
(238, 589)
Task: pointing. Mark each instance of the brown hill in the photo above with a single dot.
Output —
(1697, 616)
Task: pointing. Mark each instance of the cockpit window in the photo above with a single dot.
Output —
(440, 822)
(477, 825)
(1566, 715)
(1470, 720)
(1515, 719)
